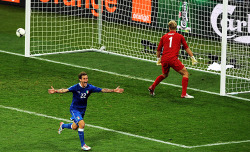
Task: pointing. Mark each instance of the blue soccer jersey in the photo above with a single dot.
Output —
(80, 95)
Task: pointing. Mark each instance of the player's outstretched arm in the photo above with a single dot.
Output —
(52, 90)
(117, 90)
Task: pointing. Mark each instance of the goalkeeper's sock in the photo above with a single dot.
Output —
(184, 86)
(157, 81)
(69, 126)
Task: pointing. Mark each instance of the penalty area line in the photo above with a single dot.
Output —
(125, 133)
(122, 75)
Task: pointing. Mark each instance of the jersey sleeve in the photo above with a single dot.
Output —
(160, 45)
(95, 89)
(184, 43)
(73, 88)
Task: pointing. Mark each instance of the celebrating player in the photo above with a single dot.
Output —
(81, 92)
(171, 42)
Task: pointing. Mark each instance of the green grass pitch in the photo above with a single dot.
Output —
(208, 122)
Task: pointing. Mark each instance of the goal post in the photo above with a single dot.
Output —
(223, 50)
(133, 28)
(100, 22)
(27, 27)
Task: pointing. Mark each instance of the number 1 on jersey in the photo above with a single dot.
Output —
(170, 43)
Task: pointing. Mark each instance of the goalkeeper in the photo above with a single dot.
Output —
(171, 42)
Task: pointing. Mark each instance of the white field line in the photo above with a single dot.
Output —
(102, 128)
(122, 75)
(127, 76)
(125, 133)
(217, 144)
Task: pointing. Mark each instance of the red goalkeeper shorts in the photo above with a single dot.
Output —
(175, 64)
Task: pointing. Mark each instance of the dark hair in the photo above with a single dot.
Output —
(81, 74)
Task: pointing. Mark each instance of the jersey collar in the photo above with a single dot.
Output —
(172, 32)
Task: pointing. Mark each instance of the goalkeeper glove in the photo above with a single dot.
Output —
(194, 61)
(158, 61)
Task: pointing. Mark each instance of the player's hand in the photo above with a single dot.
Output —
(158, 61)
(51, 91)
(119, 90)
(194, 61)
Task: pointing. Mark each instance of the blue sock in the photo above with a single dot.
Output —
(67, 126)
(81, 136)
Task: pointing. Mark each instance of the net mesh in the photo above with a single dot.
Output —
(133, 28)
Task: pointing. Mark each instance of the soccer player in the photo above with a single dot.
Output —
(81, 92)
(171, 44)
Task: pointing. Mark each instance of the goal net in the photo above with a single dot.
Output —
(133, 28)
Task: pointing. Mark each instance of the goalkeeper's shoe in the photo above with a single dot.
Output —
(60, 128)
(151, 91)
(85, 147)
(187, 96)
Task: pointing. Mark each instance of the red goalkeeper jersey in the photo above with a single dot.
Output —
(171, 42)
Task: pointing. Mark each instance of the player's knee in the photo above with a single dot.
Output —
(81, 124)
(183, 72)
(74, 126)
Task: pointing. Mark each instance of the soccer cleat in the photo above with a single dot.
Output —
(151, 91)
(85, 147)
(60, 128)
(187, 96)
